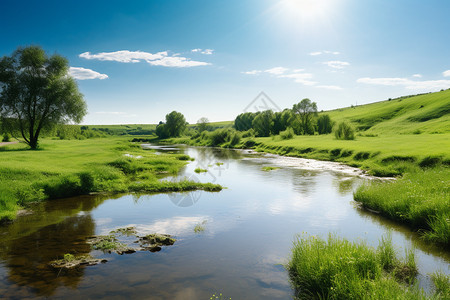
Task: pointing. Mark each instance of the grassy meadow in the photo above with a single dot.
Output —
(64, 168)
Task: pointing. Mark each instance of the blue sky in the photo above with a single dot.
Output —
(135, 61)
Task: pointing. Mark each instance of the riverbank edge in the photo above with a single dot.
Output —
(83, 183)
(379, 210)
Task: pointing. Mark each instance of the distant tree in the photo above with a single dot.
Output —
(203, 124)
(244, 121)
(36, 93)
(161, 131)
(306, 110)
(324, 124)
(281, 121)
(175, 124)
(263, 123)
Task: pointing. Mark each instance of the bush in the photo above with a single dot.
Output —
(287, 134)
(6, 137)
(324, 124)
(344, 132)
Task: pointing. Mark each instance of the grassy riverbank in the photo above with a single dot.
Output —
(64, 168)
(419, 199)
(339, 269)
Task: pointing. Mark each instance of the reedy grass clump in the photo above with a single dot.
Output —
(344, 131)
(441, 284)
(339, 269)
(419, 199)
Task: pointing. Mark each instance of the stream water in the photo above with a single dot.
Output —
(249, 228)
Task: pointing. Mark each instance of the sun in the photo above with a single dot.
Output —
(306, 10)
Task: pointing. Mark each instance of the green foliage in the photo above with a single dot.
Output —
(6, 137)
(344, 132)
(419, 199)
(200, 170)
(339, 269)
(306, 110)
(29, 78)
(161, 131)
(69, 257)
(175, 124)
(244, 121)
(203, 124)
(287, 134)
(442, 285)
(263, 123)
(324, 124)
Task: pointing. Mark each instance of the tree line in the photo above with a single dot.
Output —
(303, 119)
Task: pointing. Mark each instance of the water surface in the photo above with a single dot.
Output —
(249, 230)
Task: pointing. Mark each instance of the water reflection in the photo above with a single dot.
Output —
(27, 258)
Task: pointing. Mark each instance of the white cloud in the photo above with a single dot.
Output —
(303, 78)
(158, 59)
(276, 70)
(407, 83)
(446, 73)
(205, 51)
(417, 76)
(330, 87)
(315, 53)
(336, 64)
(83, 74)
(298, 75)
(254, 72)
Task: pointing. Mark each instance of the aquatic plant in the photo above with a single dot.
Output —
(269, 168)
(200, 227)
(200, 170)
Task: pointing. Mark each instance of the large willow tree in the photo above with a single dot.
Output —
(37, 93)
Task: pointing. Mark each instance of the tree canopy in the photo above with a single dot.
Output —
(306, 110)
(37, 93)
(175, 125)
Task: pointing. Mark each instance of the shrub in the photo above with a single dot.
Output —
(6, 137)
(344, 132)
(324, 124)
(287, 134)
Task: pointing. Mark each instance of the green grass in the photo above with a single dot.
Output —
(420, 199)
(64, 168)
(339, 269)
(428, 113)
(269, 168)
(381, 156)
(200, 170)
(200, 227)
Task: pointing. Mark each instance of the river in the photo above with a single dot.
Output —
(248, 230)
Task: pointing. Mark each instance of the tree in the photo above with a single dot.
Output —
(244, 121)
(36, 93)
(161, 131)
(263, 123)
(203, 124)
(324, 124)
(306, 110)
(175, 124)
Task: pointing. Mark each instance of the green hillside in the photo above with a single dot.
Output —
(427, 113)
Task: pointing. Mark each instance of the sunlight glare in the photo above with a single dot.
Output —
(306, 10)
